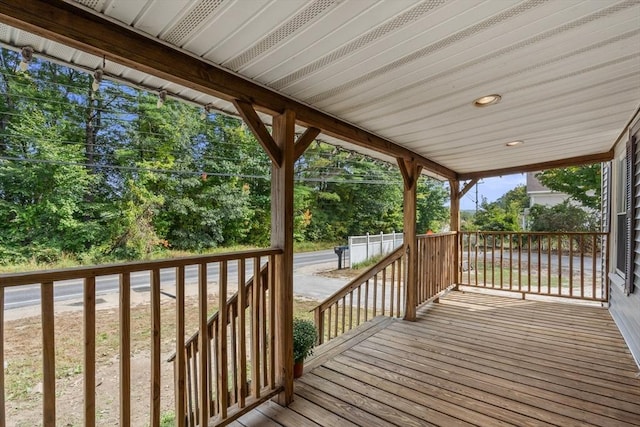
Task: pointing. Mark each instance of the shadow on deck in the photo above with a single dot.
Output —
(470, 359)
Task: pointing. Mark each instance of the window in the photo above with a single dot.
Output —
(621, 217)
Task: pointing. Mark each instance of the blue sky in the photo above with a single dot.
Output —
(492, 189)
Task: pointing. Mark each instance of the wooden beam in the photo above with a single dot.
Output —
(68, 24)
(304, 141)
(282, 237)
(534, 167)
(259, 130)
(410, 171)
(467, 187)
(89, 302)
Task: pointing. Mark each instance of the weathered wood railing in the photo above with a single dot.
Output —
(567, 265)
(377, 291)
(226, 354)
(436, 265)
(249, 380)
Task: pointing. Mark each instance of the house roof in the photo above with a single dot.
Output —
(399, 74)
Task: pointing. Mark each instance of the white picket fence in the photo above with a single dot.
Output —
(361, 248)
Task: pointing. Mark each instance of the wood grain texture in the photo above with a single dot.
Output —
(155, 348)
(179, 365)
(48, 355)
(125, 349)
(472, 359)
(89, 324)
(282, 237)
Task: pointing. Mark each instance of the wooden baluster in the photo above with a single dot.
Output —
(359, 298)
(223, 379)
(548, 264)
(475, 269)
(233, 344)
(272, 321)
(196, 375)
(2, 398)
(89, 351)
(179, 362)
(263, 332)
(571, 237)
(401, 293)
(351, 310)
(375, 295)
(335, 334)
(392, 288)
(329, 323)
(582, 266)
(125, 350)
(540, 238)
(48, 355)
(255, 329)
(203, 347)
(594, 252)
(344, 313)
(384, 291)
(190, 393)
(155, 347)
(212, 368)
(500, 261)
(242, 333)
(559, 264)
(366, 301)
(319, 320)
(484, 267)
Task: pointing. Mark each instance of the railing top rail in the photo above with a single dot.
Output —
(541, 233)
(366, 275)
(45, 276)
(434, 235)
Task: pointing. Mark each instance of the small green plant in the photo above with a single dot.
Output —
(167, 419)
(305, 335)
(368, 262)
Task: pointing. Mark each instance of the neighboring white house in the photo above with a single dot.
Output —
(541, 195)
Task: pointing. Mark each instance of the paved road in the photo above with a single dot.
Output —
(24, 296)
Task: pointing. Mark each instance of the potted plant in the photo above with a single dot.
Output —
(304, 339)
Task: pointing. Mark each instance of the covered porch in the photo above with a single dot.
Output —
(469, 359)
(487, 94)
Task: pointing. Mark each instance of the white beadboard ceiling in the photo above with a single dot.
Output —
(568, 71)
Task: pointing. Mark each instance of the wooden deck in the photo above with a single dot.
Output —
(470, 359)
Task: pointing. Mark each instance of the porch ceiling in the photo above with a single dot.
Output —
(408, 71)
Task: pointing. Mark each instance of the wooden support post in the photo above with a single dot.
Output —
(410, 173)
(179, 364)
(456, 195)
(282, 237)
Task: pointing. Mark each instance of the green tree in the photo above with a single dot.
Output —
(581, 183)
(504, 214)
(562, 217)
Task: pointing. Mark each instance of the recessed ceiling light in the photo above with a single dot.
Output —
(487, 100)
(514, 143)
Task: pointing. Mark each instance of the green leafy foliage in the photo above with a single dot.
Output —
(562, 217)
(305, 336)
(581, 183)
(505, 213)
(108, 175)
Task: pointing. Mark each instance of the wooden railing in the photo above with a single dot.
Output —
(566, 265)
(377, 291)
(252, 374)
(436, 265)
(238, 345)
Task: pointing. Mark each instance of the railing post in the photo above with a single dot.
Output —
(318, 318)
(282, 237)
(410, 171)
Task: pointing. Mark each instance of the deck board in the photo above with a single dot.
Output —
(470, 359)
